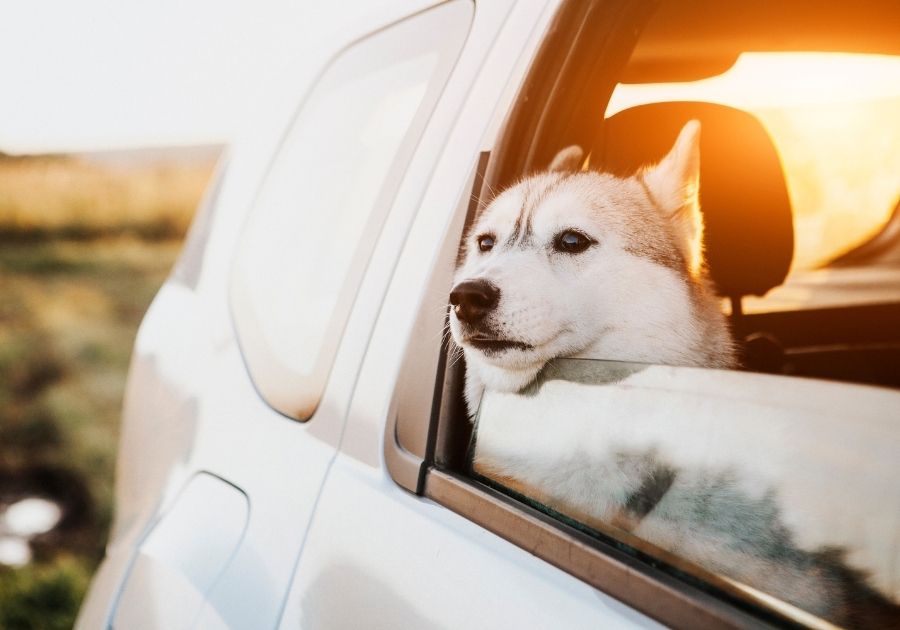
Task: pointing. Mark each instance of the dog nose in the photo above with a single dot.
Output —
(473, 299)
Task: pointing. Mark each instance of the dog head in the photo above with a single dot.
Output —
(567, 262)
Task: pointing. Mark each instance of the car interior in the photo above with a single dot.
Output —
(748, 231)
(845, 326)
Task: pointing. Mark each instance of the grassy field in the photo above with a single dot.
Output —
(83, 249)
(67, 197)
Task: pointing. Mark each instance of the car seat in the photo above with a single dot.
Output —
(749, 233)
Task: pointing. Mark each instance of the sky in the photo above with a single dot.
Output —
(104, 74)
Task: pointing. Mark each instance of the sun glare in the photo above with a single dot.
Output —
(764, 80)
(834, 120)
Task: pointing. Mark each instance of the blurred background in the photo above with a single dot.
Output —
(112, 119)
(85, 242)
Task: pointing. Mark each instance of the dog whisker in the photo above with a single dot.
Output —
(453, 357)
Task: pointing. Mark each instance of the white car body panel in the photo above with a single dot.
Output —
(191, 406)
(377, 557)
(327, 537)
(175, 569)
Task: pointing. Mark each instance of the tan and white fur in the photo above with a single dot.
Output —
(637, 292)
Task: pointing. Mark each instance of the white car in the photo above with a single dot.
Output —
(294, 441)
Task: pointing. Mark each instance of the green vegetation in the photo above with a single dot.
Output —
(68, 318)
(43, 597)
(74, 285)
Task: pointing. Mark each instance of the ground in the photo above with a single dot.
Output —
(72, 294)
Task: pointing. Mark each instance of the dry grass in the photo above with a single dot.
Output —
(43, 197)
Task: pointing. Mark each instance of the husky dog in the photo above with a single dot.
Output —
(578, 264)
(584, 264)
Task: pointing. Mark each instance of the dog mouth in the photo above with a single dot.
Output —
(493, 345)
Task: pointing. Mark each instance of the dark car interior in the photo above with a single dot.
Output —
(750, 244)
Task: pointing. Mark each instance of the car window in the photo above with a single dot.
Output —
(770, 487)
(320, 208)
(632, 307)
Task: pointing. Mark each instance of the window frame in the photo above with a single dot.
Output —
(424, 440)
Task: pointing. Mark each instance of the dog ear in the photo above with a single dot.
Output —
(568, 159)
(674, 187)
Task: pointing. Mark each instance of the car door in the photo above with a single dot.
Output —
(769, 462)
(376, 555)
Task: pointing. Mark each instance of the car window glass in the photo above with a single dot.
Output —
(319, 210)
(766, 486)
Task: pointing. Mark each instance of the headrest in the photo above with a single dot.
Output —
(749, 234)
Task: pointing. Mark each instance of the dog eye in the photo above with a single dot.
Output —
(486, 242)
(571, 242)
